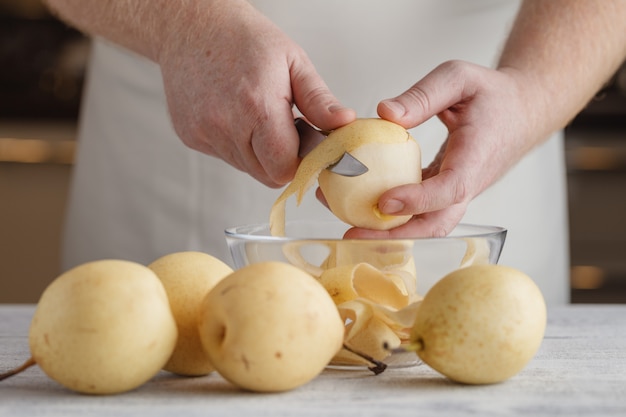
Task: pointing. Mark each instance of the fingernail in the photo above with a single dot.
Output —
(397, 108)
(334, 108)
(392, 206)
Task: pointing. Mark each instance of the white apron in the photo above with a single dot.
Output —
(139, 193)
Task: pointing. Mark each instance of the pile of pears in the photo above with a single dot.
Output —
(109, 326)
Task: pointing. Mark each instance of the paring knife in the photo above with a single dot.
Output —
(310, 137)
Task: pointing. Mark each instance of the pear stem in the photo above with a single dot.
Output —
(30, 362)
(411, 347)
(378, 367)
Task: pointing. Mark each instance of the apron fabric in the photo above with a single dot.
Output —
(138, 193)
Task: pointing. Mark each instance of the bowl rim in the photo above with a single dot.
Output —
(481, 231)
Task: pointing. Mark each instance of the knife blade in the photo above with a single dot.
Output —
(310, 137)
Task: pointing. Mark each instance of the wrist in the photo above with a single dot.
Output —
(192, 26)
(536, 102)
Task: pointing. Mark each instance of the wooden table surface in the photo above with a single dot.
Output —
(580, 370)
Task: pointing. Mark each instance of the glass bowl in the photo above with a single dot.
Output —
(376, 284)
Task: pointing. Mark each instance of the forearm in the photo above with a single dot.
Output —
(143, 26)
(565, 51)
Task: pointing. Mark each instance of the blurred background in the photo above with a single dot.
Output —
(42, 66)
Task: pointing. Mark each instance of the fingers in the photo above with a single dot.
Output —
(274, 148)
(442, 88)
(434, 224)
(275, 141)
(480, 109)
(438, 215)
(438, 192)
(437, 205)
(235, 103)
(457, 173)
(315, 100)
(434, 215)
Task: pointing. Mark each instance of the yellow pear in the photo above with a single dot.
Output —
(481, 324)
(392, 156)
(270, 327)
(187, 278)
(103, 327)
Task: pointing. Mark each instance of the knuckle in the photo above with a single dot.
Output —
(419, 98)
(419, 200)
(456, 67)
(458, 186)
(448, 222)
(439, 230)
(319, 95)
(460, 193)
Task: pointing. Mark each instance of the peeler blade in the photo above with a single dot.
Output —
(310, 137)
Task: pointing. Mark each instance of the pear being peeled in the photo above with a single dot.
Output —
(103, 327)
(269, 327)
(187, 278)
(393, 159)
(480, 324)
(392, 156)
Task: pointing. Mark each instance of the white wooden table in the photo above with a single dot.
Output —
(580, 370)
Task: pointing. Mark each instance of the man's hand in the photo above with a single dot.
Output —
(550, 67)
(231, 76)
(231, 87)
(490, 128)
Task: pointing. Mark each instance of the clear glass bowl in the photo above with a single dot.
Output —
(376, 284)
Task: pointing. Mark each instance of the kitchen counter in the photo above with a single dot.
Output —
(580, 369)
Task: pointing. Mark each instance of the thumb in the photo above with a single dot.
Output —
(439, 90)
(315, 100)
